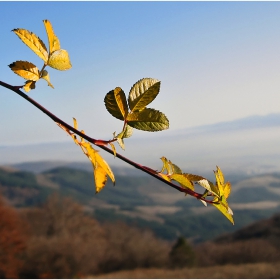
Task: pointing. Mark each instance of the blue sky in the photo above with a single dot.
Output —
(217, 61)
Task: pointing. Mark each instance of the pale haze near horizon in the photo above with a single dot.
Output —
(217, 61)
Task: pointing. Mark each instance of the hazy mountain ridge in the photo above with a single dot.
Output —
(251, 122)
(249, 145)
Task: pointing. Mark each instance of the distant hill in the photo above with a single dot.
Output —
(146, 202)
(42, 166)
(267, 229)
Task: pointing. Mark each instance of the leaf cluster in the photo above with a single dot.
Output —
(219, 192)
(133, 111)
(56, 57)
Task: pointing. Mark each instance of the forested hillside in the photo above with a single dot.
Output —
(60, 240)
(145, 202)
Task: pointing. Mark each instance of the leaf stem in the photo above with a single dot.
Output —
(43, 68)
(101, 144)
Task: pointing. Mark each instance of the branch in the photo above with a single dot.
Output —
(101, 144)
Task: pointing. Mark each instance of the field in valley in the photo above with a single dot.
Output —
(245, 271)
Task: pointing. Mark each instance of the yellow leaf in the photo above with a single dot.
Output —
(60, 60)
(54, 44)
(170, 167)
(175, 169)
(101, 162)
(33, 42)
(224, 189)
(100, 166)
(193, 178)
(46, 77)
(29, 85)
(148, 119)
(208, 186)
(100, 178)
(164, 176)
(166, 165)
(224, 208)
(204, 203)
(121, 143)
(26, 70)
(227, 190)
(182, 180)
(143, 93)
(75, 123)
(219, 178)
(113, 149)
(115, 103)
(126, 133)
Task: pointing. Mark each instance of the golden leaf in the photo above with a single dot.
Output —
(115, 103)
(33, 42)
(100, 167)
(166, 167)
(227, 190)
(170, 167)
(182, 180)
(143, 93)
(175, 169)
(100, 178)
(26, 70)
(121, 143)
(113, 149)
(148, 119)
(101, 162)
(222, 205)
(219, 177)
(203, 202)
(193, 178)
(164, 176)
(208, 186)
(224, 189)
(54, 44)
(29, 85)
(126, 133)
(60, 60)
(46, 77)
(75, 123)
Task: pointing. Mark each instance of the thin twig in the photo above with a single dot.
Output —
(145, 169)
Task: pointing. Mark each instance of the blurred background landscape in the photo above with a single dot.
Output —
(138, 222)
(219, 65)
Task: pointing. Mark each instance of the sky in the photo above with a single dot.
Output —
(217, 61)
